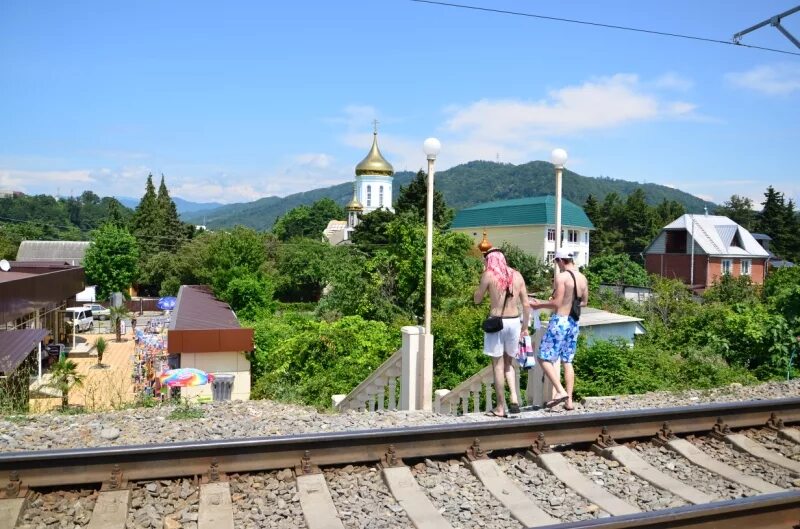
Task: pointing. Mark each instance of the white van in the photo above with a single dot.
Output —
(80, 317)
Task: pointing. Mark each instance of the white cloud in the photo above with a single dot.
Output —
(600, 104)
(318, 160)
(772, 79)
(517, 130)
(673, 81)
(23, 180)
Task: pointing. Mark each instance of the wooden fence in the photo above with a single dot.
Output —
(138, 305)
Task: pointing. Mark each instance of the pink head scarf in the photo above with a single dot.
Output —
(503, 274)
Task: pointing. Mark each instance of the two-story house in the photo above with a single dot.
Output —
(529, 223)
(721, 246)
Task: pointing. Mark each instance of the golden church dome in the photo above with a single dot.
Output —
(354, 204)
(484, 246)
(374, 163)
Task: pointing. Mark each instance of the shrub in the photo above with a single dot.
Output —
(614, 368)
(319, 359)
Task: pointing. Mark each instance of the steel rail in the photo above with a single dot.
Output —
(162, 461)
(780, 510)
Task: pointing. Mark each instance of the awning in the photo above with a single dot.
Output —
(15, 346)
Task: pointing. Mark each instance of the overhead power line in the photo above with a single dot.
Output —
(602, 25)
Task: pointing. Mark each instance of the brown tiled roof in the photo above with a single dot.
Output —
(15, 346)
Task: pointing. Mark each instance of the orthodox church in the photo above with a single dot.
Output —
(372, 190)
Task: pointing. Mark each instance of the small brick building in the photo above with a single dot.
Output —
(721, 247)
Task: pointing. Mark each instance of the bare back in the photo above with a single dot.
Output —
(497, 297)
(564, 292)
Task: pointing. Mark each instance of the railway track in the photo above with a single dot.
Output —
(499, 474)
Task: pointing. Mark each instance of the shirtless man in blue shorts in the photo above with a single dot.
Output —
(561, 337)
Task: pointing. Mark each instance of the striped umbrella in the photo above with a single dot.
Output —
(185, 377)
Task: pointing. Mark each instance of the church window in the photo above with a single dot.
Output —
(369, 196)
(380, 196)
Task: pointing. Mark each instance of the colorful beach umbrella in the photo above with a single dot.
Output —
(184, 377)
(167, 303)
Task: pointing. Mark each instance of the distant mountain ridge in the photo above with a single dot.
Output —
(462, 186)
(183, 206)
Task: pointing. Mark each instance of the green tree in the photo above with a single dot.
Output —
(309, 361)
(115, 215)
(307, 221)
(667, 211)
(782, 294)
(63, 377)
(359, 286)
(302, 270)
(250, 296)
(740, 210)
(731, 290)
(609, 224)
(455, 269)
(370, 234)
(111, 260)
(639, 227)
(169, 226)
(413, 199)
(791, 240)
(592, 209)
(146, 218)
(616, 269)
(537, 274)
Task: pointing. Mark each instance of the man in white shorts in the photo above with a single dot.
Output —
(507, 296)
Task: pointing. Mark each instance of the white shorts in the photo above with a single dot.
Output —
(504, 341)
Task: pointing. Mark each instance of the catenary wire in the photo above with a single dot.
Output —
(602, 25)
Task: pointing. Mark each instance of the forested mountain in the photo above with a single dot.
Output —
(462, 186)
(184, 206)
(44, 217)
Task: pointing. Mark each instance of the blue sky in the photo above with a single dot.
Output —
(239, 100)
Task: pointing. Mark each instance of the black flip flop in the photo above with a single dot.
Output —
(503, 416)
(555, 402)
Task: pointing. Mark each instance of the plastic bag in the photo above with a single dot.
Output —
(525, 356)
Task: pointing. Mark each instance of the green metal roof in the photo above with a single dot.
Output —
(522, 212)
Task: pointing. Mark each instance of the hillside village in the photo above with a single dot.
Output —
(312, 268)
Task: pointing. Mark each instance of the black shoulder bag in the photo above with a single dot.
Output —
(575, 310)
(494, 324)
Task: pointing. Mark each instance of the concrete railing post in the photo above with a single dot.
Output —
(411, 366)
(425, 374)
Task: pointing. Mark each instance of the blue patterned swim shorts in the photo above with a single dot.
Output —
(560, 339)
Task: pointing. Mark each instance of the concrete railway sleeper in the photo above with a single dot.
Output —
(700, 474)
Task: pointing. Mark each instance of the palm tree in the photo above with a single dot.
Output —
(117, 314)
(101, 344)
(65, 376)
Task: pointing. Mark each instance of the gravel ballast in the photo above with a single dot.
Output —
(237, 419)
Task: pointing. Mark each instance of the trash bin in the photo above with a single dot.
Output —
(222, 387)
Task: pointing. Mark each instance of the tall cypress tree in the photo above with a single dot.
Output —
(169, 224)
(639, 227)
(791, 242)
(146, 220)
(592, 209)
(413, 199)
(772, 219)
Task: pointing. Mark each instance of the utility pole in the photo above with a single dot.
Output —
(773, 21)
(691, 265)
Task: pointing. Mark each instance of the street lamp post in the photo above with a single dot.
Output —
(432, 146)
(559, 158)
